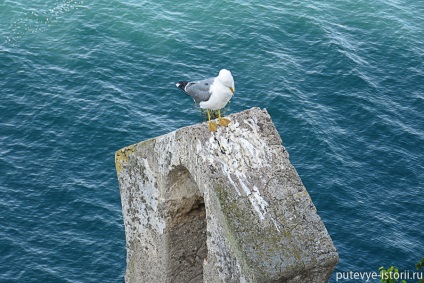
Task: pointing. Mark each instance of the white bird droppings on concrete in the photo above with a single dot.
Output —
(236, 149)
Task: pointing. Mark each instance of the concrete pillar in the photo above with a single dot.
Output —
(220, 207)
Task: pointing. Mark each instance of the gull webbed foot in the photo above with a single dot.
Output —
(212, 126)
(224, 122)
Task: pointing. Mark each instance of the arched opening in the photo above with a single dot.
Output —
(186, 217)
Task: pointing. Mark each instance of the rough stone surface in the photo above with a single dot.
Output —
(220, 207)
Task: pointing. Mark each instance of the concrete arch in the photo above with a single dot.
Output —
(261, 224)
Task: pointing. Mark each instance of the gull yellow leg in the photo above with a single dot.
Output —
(222, 121)
(212, 125)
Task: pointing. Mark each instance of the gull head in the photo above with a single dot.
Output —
(226, 79)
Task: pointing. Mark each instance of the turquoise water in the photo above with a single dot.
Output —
(342, 80)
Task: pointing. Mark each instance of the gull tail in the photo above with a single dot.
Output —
(182, 86)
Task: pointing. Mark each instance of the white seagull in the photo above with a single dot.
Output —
(211, 94)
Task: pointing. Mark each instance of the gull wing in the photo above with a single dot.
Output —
(199, 90)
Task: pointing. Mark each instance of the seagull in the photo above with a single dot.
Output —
(211, 94)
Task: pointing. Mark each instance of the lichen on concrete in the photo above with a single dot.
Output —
(220, 207)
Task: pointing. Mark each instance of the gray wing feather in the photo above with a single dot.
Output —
(199, 90)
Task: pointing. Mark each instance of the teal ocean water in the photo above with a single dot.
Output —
(342, 80)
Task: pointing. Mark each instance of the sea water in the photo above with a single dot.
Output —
(342, 80)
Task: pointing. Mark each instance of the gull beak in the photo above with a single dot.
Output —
(232, 90)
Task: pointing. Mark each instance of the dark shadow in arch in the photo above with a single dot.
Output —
(186, 219)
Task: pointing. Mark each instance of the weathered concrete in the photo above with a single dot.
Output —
(220, 207)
